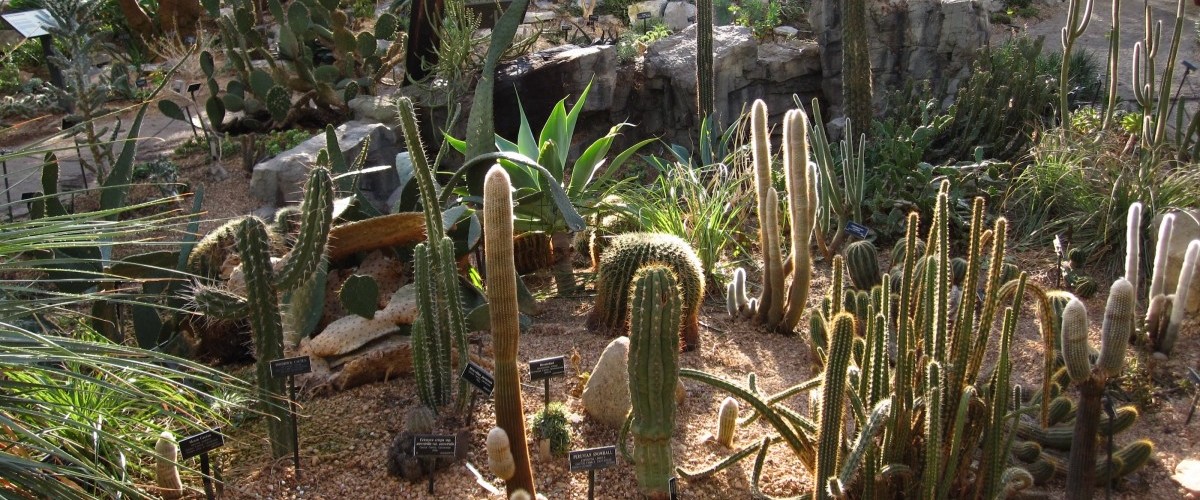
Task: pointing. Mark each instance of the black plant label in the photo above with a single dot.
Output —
(593, 458)
(201, 443)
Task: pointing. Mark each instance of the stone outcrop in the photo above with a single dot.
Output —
(280, 180)
(929, 40)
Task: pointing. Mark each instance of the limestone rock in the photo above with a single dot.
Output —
(606, 395)
(679, 15)
(375, 109)
(1187, 474)
(654, 7)
(280, 180)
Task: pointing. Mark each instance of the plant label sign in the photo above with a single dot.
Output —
(593, 458)
(547, 368)
(435, 445)
(290, 366)
(856, 229)
(643, 15)
(673, 487)
(31, 23)
(141, 83)
(203, 442)
(478, 377)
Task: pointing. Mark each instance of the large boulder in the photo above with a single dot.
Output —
(679, 15)
(606, 395)
(654, 7)
(280, 180)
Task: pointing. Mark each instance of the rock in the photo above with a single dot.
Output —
(654, 7)
(543, 78)
(1187, 474)
(606, 395)
(375, 109)
(280, 180)
(786, 32)
(539, 17)
(679, 15)
(1186, 229)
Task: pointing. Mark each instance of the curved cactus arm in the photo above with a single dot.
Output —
(316, 220)
(807, 385)
(865, 440)
(736, 457)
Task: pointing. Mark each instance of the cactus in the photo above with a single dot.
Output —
(775, 309)
(1060, 437)
(360, 295)
(1117, 328)
(500, 459)
(856, 65)
(898, 251)
(705, 94)
(1180, 300)
(502, 300)
(440, 325)
(655, 310)
(838, 358)
(533, 252)
(626, 254)
(263, 285)
(726, 418)
(166, 452)
(862, 262)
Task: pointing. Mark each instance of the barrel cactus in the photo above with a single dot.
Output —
(862, 263)
(626, 254)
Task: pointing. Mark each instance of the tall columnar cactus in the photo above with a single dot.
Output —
(263, 286)
(705, 94)
(841, 340)
(629, 252)
(439, 326)
(1159, 303)
(776, 308)
(1079, 15)
(862, 262)
(502, 301)
(856, 65)
(1133, 245)
(1118, 326)
(655, 310)
(1181, 297)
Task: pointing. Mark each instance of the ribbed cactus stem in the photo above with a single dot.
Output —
(801, 212)
(1158, 279)
(316, 212)
(166, 453)
(705, 93)
(500, 459)
(502, 306)
(1117, 327)
(1182, 292)
(862, 263)
(1075, 341)
(761, 143)
(773, 258)
(1133, 243)
(856, 65)
(267, 326)
(935, 395)
(653, 374)
(841, 345)
(727, 422)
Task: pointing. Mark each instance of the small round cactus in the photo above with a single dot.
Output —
(862, 263)
(727, 422)
(500, 459)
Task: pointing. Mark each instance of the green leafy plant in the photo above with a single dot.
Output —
(761, 16)
(550, 423)
(283, 140)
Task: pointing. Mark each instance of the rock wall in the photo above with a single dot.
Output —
(929, 40)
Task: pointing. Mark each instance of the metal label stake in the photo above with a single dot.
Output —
(201, 444)
(290, 367)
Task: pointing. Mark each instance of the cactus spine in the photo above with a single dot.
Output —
(856, 65)
(439, 323)
(263, 285)
(775, 309)
(727, 421)
(502, 300)
(841, 342)
(653, 374)
(862, 262)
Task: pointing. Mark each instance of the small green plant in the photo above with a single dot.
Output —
(283, 140)
(196, 145)
(761, 16)
(654, 33)
(550, 423)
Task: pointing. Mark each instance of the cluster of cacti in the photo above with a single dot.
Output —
(502, 301)
(655, 309)
(319, 57)
(856, 65)
(862, 263)
(628, 253)
(914, 379)
(1164, 313)
(264, 283)
(781, 308)
(439, 328)
(1151, 89)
